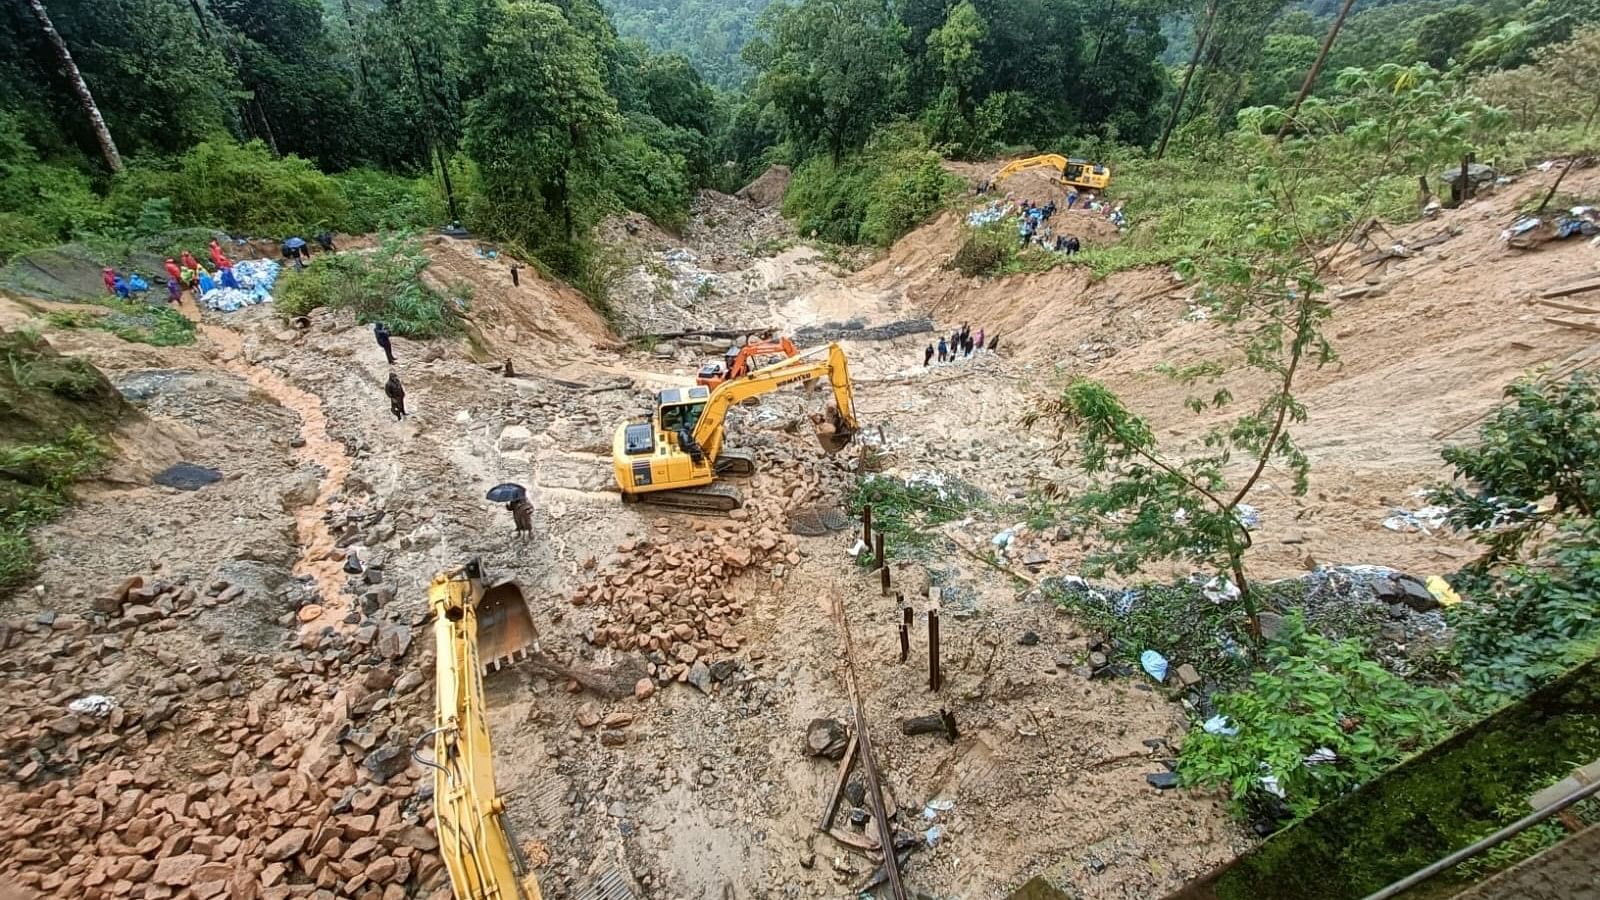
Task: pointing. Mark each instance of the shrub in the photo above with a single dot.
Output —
(982, 253)
(1544, 443)
(1313, 696)
(874, 198)
(379, 201)
(384, 285)
(35, 480)
(242, 188)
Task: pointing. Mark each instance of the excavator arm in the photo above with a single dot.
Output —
(479, 851)
(824, 362)
(1053, 160)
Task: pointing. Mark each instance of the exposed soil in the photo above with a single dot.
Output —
(275, 685)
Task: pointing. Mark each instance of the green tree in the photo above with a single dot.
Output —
(543, 112)
(1442, 36)
(831, 68)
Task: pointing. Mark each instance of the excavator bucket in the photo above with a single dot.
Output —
(833, 432)
(505, 628)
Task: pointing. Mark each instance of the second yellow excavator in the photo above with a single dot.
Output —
(674, 459)
(1078, 173)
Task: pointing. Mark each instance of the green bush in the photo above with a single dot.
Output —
(875, 198)
(982, 253)
(242, 188)
(140, 323)
(379, 201)
(35, 480)
(1313, 695)
(384, 285)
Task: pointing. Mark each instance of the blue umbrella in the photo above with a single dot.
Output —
(294, 243)
(510, 492)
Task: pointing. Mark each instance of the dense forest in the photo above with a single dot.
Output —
(530, 120)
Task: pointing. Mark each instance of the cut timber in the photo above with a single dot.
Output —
(1577, 287)
(832, 806)
(1568, 323)
(861, 841)
(1570, 307)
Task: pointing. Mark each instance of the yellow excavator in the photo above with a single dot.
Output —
(480, 853)
(674, 459)
(1078, 173)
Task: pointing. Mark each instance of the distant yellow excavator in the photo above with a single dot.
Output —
(1078, 173)
(475, 840)
(674, 458)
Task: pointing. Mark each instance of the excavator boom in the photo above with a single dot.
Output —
(475, 840)
(741, 360)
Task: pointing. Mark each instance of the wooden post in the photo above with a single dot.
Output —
(905, 632)
(866, 525)
(883, 580)
(877, 550)
(934, 679)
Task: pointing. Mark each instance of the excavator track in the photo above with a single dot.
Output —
(736, 463)
(712, 498)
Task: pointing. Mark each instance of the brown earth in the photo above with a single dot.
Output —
(265, 700)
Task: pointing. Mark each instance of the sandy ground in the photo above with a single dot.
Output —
(709, 794)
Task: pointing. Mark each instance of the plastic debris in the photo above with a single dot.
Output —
(859, 548)
(1269, 783)
(1248, 515)
(94, 705)
(1424, 520)
(1154, 665)
(1003, 539)
(1320, 756)
(937, 806)
(255, 278)
(1442, 592)
(1219, 725)
(1220, 590)
(934, 836)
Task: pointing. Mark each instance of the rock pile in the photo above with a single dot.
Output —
(241, 776)
(670, 600)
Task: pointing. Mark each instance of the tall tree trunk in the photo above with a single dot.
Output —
(1109, 18)
(266, 127)
(200, 16)
(1316, 68)
(428, 130)
(108, 147)
(1188, 75)
(355, 45)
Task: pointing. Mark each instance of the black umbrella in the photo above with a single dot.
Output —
(510, 492)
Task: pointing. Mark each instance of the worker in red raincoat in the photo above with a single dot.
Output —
(217, 257)
(189, 262)
(173, 272)
(109, 276)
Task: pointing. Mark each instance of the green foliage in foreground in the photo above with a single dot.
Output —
(873, 199)
(1313, 694)
(140, 323)
(35, 484)
(1544, 443)
(384, 285)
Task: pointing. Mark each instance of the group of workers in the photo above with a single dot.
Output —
(960, 344)
(190, 275)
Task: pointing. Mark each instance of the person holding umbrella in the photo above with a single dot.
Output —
(515, 497)
(295, 249)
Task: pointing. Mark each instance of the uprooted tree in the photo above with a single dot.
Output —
(1312, 197)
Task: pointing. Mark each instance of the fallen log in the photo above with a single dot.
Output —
(1568, 323)
(1570, 307)
(943, 722)
(1577, 287)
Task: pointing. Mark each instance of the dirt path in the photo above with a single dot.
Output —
(318, 557)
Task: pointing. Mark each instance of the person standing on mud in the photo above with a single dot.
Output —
(944, 349)
(927, 356)
(397, 396)
(522, 515)
(381, 332)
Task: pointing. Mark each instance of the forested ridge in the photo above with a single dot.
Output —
(530, 120)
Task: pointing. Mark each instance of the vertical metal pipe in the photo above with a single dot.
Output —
(934, 678)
